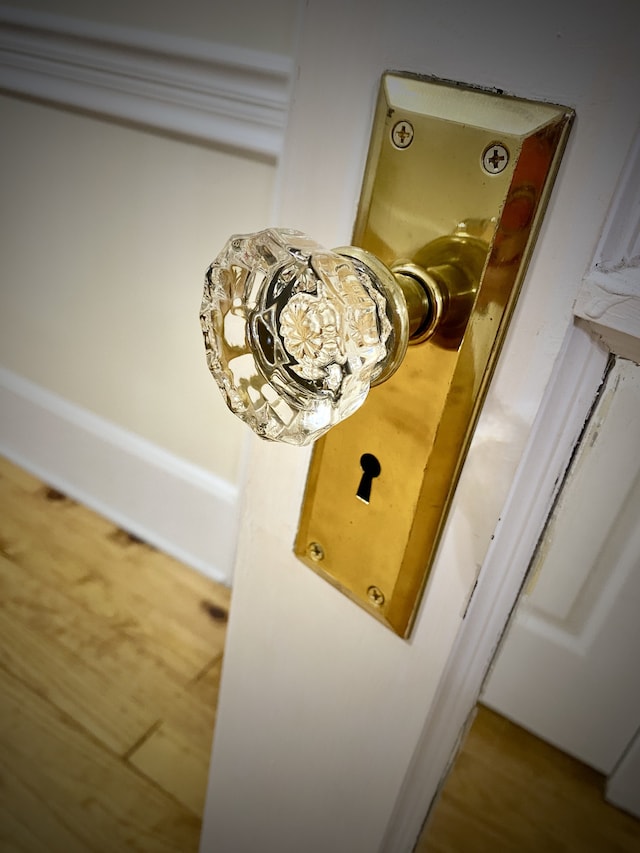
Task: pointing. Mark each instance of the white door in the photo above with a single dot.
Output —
(332, 732)
(568, 669)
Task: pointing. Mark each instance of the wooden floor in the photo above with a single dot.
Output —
(510, 792)
(110, 656)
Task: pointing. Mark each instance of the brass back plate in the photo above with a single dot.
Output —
(443, 159)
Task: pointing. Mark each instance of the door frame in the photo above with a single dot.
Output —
(606, 324)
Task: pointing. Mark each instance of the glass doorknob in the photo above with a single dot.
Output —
(296, 334)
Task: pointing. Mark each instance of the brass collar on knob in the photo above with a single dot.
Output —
(424, 298)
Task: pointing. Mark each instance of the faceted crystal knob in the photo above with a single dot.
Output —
(296, 334)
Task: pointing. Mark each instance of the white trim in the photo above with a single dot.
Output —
(619, 245)
(609, 303)
(567, 404)
(217, 93)
(174, 505)
(609, 297)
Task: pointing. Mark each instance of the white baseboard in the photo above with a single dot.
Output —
(172, 504)
(218, 93)
(623, 786)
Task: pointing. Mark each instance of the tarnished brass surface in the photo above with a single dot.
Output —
(418, 425)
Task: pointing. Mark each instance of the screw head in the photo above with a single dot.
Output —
(495, 158)
(402, 134)
(376, 596)
(315, 551)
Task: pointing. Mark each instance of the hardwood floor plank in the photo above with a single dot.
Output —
(174, 761)
(18, 836)
(78, 609)
(150, 579)
(110, 678)
(207, 685)
(102, 677)
(105, 645)
(57, 541)
(18, 476)
(80, 792)
(510, 792)
(27, 827)
(173, 755)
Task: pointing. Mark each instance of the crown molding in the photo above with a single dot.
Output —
(216, 93)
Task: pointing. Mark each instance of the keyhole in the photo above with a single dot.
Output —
(371, 469)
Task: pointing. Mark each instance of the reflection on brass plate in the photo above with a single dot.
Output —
(478, 172)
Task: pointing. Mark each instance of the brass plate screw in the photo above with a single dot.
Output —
(376, 596)
(402, 134)
(315, 551)
(495, 158)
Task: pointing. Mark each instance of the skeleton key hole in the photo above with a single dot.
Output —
(370, 470)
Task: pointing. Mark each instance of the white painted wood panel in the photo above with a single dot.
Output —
(568, 667)
(323, 711)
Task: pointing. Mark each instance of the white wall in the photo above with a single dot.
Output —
(106, 229)
(105, 234)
